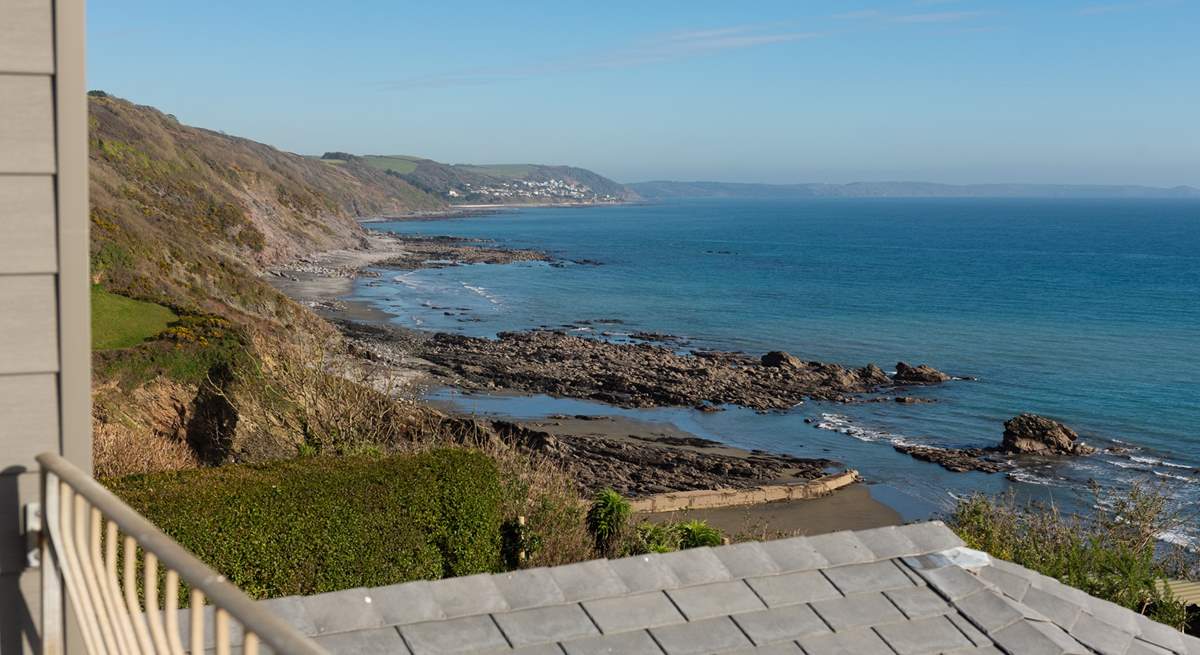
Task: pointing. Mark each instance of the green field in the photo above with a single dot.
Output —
(120, 322)
(397, 163)
(512, 171)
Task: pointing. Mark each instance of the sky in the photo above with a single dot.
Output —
(1049, 91)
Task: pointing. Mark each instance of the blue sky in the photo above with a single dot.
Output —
(1089, 91)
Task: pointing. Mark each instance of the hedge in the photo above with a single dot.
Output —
(318, 524)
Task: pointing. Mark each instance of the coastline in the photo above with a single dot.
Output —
(637, 457)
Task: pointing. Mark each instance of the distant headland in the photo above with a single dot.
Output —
(663, 190)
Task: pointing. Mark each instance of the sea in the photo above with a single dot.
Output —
(1087, 311)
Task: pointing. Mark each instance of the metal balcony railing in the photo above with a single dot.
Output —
(123, 580)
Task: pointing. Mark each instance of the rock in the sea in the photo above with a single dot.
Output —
(1038, 435)
(923, 374)
(958, 460)
(781, 359)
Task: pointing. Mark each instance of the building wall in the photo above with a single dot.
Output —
(44, 317)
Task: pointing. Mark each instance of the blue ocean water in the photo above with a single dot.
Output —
(1084, 310)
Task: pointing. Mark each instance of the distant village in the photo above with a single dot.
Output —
(527, 190)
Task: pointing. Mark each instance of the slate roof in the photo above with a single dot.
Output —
(905, 590)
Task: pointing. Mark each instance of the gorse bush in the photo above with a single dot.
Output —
(321, 524)
(1111, 556)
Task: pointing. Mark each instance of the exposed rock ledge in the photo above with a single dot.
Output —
(1027, 434)
(643, 375)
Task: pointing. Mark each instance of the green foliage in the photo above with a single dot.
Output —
(120, 322)
(398, 164)
(320, 524)
(698, 534)
(668, 537)
(1111, 556)
(189, 350)
(655, 538)
(607, 520)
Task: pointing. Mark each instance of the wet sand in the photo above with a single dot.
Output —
(851, 508)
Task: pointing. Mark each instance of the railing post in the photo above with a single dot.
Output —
(52, 581)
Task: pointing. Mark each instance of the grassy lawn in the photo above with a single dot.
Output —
(399, 163)
(120, 322)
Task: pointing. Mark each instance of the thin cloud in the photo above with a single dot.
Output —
(860, 14)
(1118, 7)
(658, 49)
(918, 17)
(938, 17)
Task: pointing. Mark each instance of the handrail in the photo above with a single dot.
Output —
(82, 520)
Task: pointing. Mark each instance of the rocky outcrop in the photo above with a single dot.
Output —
(922, 374)
(780, 358)
(640, 375)
(958, 460)
(1037, 435)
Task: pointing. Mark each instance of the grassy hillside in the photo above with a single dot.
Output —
(485, 183)
(120, 322)
(183, 220)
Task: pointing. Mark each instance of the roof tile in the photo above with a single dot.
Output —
(854, 642)
(1024, 638)
(695, 566)
(587, 580)
(644, 573)
(411, 602)
(343, 611)
(380, 641)
(1113, 614)
(473, 594)
(625, 643)
(988, 611)
(699, 637)
(839, 548)
(545, 624)
(1100, 636)
(931, 537)
(792, 588)
(1161, 635)
(452, 636)
(528, 588)
(1139, 647)
(1013, 586)
(623, 613)
(746, 560)
(782, 648)
(780, 624)
(858, 611)
(918, 602)
(716, 599)
(795, 554)
(969, 629)
(875, 576)
(888, 542)
(932, 635)
(952, 582)
(1063, 613)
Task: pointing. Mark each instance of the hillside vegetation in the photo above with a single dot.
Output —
(183, 221)
(491, 183)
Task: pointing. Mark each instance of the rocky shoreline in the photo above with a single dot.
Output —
(646, 369)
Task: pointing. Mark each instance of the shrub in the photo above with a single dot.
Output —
(1111, 556)
(607, 520)
(698, 534)
(320, 524)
